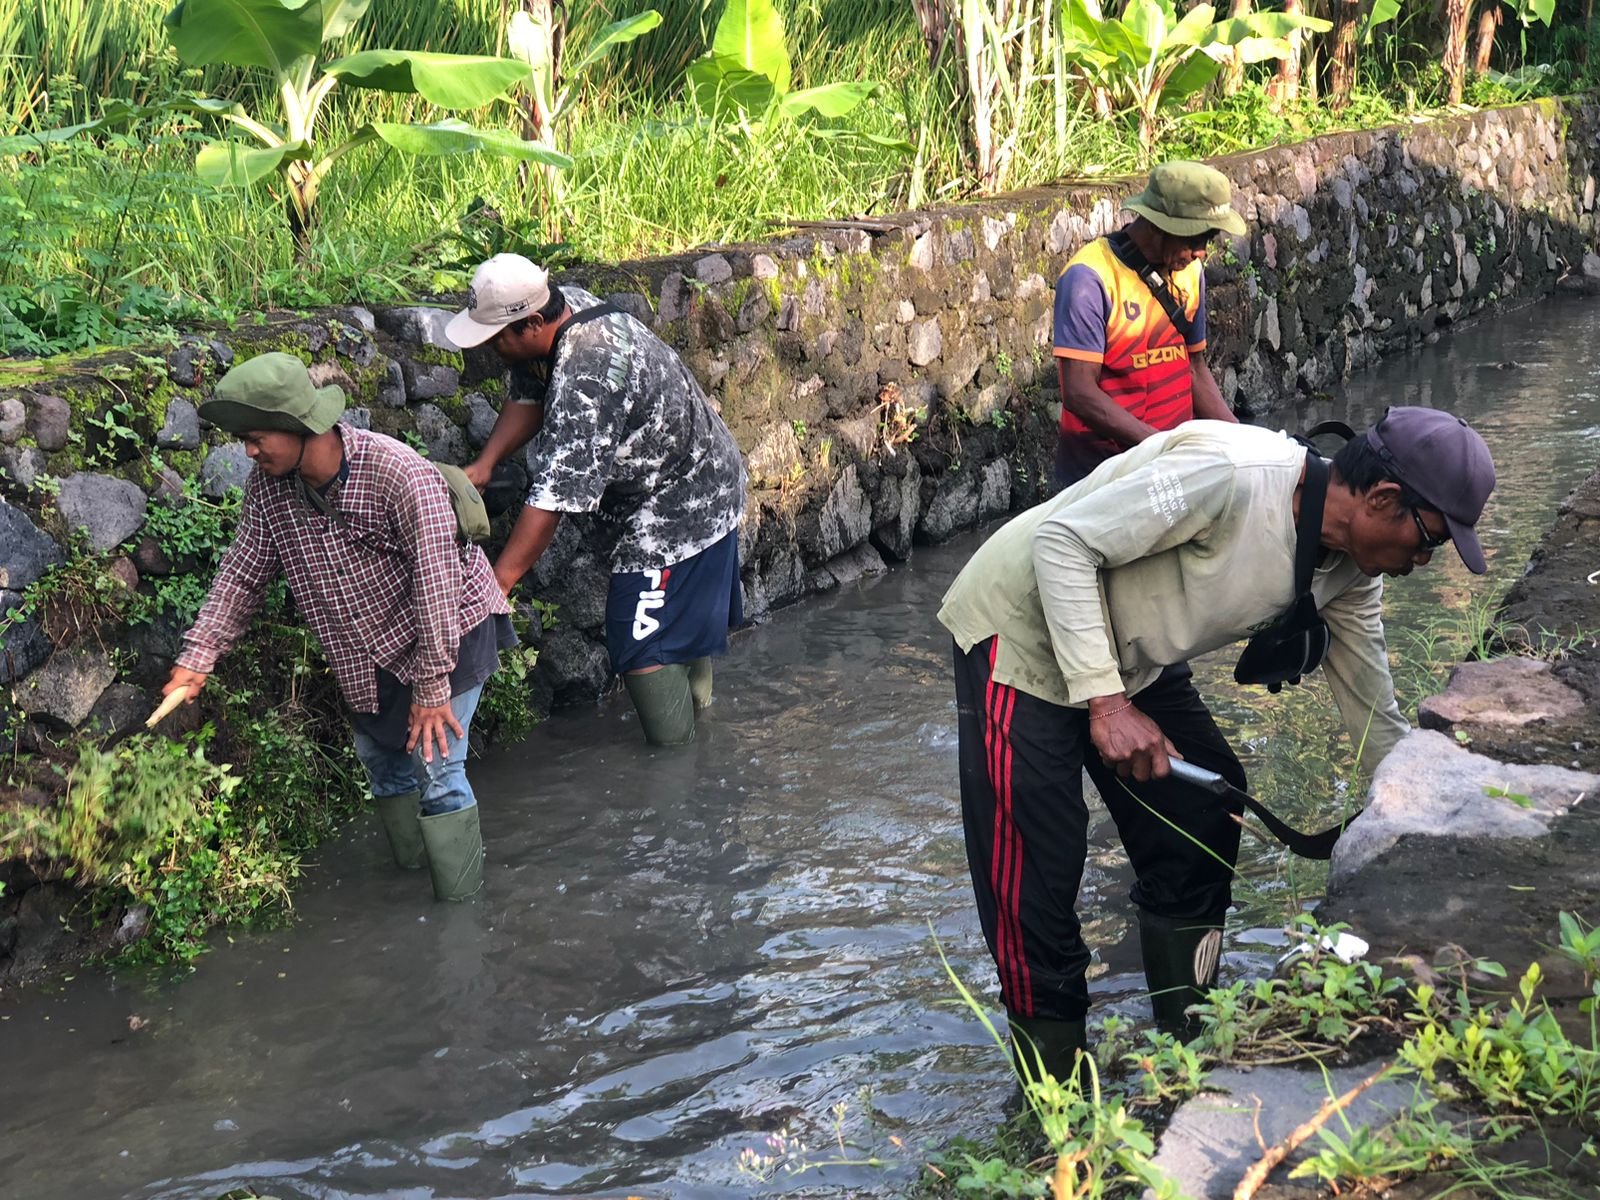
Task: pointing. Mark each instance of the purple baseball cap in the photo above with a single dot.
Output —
(1444, 460)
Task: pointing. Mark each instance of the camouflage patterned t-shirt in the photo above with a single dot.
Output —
(629, 436)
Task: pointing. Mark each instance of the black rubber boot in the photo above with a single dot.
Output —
(1060, 1047)
(1180, 966)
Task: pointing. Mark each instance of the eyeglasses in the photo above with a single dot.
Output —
(1430, 541)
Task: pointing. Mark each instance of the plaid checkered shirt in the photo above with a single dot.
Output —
(388, 587)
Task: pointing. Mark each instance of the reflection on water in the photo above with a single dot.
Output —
(681, 952)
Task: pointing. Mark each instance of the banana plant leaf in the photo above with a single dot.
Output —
(448, 80)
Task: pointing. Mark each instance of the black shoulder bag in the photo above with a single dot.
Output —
(1294, 644)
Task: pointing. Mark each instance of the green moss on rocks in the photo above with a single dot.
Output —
(435, 356)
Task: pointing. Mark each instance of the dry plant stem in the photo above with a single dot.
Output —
(1257, 1175)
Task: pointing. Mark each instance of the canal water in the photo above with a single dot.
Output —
(681, 953)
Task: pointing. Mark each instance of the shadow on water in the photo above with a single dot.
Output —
(681, 952)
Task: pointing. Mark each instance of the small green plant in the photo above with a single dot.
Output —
(1517, 798)
(505, 695)
(118, 438)
(74, 598)
(484, 231)
(1518, 1061)
(1003, 364)
(1167, 1069)
(1581, 947)
(799, 430)
(1322, 1005)
(1415, 1142)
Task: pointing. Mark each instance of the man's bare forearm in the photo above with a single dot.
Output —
(1082, 397)
(513, 428)
(1208, 402)
(530, 538)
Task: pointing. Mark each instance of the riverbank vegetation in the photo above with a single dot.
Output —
(183, 830)
(644, 137)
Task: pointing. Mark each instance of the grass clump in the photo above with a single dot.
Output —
(154, 822)
(1506, 1067)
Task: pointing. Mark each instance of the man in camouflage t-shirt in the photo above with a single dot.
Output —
(621, 429)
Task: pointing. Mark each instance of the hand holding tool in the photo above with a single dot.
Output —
(165, 709)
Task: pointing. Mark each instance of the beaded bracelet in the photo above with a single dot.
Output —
(1110, 713)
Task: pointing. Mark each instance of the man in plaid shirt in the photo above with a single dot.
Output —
(408, 615)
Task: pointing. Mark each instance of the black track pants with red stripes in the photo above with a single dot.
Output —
(1022, 762)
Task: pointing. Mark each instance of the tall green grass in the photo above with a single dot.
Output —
(100, 239)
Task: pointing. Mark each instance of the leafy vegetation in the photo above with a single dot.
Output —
(206, 829)
(157, 822)
(672, 142)
(1506, 1066)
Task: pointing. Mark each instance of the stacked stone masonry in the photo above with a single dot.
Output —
(891, 382)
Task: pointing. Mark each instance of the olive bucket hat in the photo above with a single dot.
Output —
(273, 391)
(1186, 199)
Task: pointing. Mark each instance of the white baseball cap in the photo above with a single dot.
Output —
(507, 288)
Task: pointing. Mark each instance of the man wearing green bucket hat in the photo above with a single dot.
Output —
(1130, 321)
(408, 613)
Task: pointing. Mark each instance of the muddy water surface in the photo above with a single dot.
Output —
(679, 952)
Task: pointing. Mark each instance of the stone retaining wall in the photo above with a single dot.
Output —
(890, 382)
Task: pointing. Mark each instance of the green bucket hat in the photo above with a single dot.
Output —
(273, 391)
(1187, 198)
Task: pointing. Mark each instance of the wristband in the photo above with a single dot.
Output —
(1112, 712)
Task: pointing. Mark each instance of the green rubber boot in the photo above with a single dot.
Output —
(455, 853)
(700, 683)
(1060, 1047)
(1180, 966)
(665, 705)
(399, 815)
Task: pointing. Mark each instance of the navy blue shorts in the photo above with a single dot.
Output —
(677, 614)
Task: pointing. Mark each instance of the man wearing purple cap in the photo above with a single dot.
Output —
(1067, 623)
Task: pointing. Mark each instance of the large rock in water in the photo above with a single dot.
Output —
(1429, 786)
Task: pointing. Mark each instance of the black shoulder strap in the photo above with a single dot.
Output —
(1308, 529)
(579, 318)
(1325, 427)
(1128, 254)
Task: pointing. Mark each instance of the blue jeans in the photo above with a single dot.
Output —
(443, 782)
